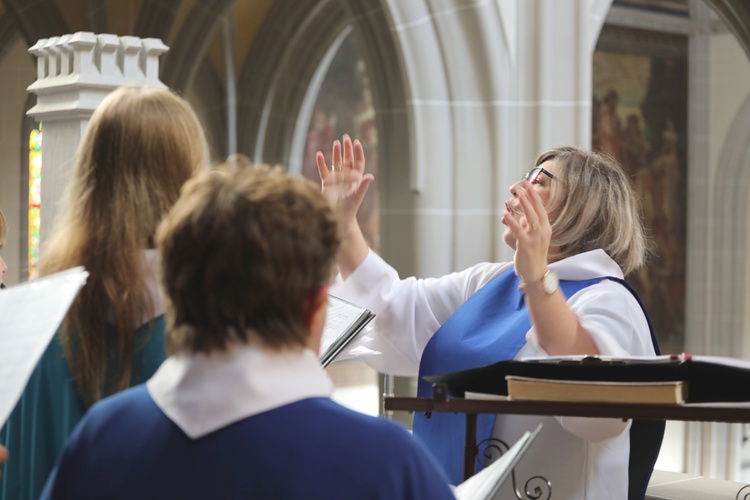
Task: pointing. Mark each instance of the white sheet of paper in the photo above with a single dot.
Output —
(339, 316)
(486, 483)
(30, 314)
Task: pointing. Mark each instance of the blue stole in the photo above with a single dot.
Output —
(489, 327)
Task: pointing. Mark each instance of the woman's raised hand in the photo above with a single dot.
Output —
(345, 182)
(345, 185)
(532, 233)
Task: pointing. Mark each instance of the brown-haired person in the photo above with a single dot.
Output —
(139, 148)
(573, 222)
(242, 408)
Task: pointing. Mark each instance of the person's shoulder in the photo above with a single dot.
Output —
(377, 430)
(130, 401)
(376, 426)
(482, 273)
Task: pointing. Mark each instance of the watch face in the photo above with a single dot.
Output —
(551, 283)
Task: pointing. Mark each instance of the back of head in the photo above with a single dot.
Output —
(140, 146)
(593, 205)
(242, 252)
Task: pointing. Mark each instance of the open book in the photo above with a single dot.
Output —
(486, 483)
(30, 314)
(344, 321)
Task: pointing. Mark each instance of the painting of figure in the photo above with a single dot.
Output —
(639, 116)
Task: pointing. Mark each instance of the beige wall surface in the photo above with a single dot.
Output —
(17, 71)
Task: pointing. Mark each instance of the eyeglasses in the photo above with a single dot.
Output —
(533, 175)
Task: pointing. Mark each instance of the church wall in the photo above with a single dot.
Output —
(17, 71)
(730, 86)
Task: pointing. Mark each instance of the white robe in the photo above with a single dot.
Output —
(582, 458)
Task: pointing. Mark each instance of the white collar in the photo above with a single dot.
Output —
(202, 393)
(151, 276)
(587, 265)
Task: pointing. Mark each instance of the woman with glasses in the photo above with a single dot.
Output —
(574, 224)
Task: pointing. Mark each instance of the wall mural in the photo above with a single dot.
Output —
(640, 117)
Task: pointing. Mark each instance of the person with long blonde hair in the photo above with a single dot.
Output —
(141, 145)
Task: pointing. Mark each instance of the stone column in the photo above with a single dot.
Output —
(74, 74)
(491, 84)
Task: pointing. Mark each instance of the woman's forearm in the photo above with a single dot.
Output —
(353, 250)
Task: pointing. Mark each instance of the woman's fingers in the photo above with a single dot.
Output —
(336, 161)
(529, 211)
(536, 202)
(345, 182)
(359, 157)
(348, 160)
(320, 160)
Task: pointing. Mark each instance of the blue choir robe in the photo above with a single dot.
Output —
(127, 447)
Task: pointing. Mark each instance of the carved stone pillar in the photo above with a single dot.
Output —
(74, 74)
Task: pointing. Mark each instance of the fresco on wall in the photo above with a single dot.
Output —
(344, 106)
(640, 117)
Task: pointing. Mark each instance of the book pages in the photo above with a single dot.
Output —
(486, 483)
(344, 321)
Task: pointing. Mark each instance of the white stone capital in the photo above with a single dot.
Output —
(76, 71)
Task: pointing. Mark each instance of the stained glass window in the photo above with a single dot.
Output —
(35, 197)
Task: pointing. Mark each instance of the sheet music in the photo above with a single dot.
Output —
(486, 483)
(339, 317)
(30, 314)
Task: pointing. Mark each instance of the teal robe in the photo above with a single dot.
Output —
(50, 408)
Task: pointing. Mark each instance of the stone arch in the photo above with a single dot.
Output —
(210, 92)
(736, 15)
(274, 76)
(8, 32)
(287, 51)
(457, 63)
(156, 19)
(728, 253)
(183, 61)
(37, 20)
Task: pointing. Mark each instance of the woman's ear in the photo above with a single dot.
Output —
(316, 307)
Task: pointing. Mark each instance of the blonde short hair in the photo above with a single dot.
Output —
(593, 205)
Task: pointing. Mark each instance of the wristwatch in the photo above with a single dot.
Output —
(548, 284)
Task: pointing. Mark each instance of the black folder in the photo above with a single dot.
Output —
(710, 379)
